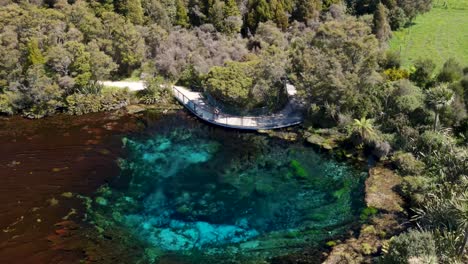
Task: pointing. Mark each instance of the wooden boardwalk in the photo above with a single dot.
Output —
(198, 105)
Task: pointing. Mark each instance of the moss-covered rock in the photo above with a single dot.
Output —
(382, 215)
(380, 190)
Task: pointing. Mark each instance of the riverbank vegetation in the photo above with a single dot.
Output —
(53, 53)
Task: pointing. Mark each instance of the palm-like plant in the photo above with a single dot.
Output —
(438, 98)
(364, 128)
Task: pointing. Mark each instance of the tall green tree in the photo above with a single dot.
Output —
(35, 56)
(423, 72)
(259, 11)
(307, 9)
(182, 18)
(381, 27)
(337, 65)
(134, 11)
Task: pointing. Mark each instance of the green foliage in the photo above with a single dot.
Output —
(381, 27)
(364, 129)
(34, 53)
(431, 141)
(134, 11)
(451, 71)
(260, 11)
(446, 212)
(298, 170)
(407, 164)
(182, 18)
(368, 212)
(410, 247)
(438, 98)
(8, 101)
(395, 74)
(415, 188)
(331, 244)
(106, 100)
(423, 72)
(154, 92)
(307, 9)
(344, 77)
(232, 83)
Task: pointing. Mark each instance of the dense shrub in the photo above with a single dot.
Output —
(407, 164)
(106, 100)
(155, 91)
(411, 247)
(431, 141)
(232, 83)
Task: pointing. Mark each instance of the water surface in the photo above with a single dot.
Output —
(201, 193)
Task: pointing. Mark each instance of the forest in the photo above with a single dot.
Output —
(53, 53)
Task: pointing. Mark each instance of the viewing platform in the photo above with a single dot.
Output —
(199, 106)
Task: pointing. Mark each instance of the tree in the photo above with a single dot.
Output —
(337, 65)
(231, 84)
(35, 56)
(307, 9)
(414, 7)
(42, 94)
(279, 14)
(134, 11)
(182, 18)
(381, 28)
(451, 71)
(438, 98)
(422, 75)
(101, 64)
(123, 42)
(364, 129)
(232, 18)
(259, 11)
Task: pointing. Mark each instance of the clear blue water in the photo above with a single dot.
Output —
(189, 189)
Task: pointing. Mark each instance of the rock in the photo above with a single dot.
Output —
(67, 194)
(380, 190)
(325, 139)
(133, 109)
(381, 195)
(289, 136)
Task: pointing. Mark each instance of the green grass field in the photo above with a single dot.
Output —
(439, 34)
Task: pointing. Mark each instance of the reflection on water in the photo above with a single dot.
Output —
(204, 193)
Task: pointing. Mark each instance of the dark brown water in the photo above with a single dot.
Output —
(42, 162)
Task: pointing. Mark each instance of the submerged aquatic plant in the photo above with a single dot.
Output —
(299, 171)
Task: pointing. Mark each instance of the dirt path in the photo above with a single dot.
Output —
(132, 85)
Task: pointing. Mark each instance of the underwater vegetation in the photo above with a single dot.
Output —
(224, 197)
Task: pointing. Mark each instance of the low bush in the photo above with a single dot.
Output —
(407, 164)
(412, 247)
(108, 99)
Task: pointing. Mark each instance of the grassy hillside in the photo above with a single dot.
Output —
(440, 34)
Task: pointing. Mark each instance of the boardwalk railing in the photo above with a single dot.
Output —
(206, 112)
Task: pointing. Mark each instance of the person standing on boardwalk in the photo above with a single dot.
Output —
(216, 112)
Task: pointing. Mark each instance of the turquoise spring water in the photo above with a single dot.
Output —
(224, 195)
